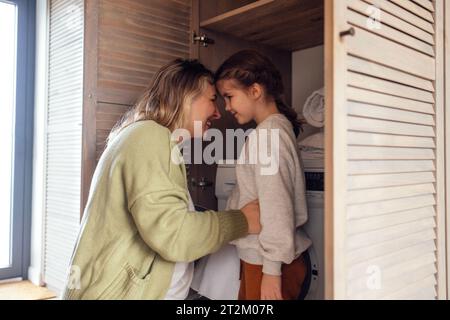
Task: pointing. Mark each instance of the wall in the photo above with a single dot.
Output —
(36, 269)
(307, 76)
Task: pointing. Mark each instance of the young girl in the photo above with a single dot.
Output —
(272, 265)
(139, 233)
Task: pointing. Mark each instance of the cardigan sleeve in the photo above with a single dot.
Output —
(175, 234)
(158, 204)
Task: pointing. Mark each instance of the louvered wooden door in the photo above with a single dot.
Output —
(385, 204)
(127, 41)
(63, 138)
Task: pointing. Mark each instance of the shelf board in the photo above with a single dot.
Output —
(285, 24)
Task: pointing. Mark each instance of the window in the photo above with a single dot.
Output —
(16, 129)
(8, 36)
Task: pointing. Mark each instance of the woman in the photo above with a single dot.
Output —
(139, 234)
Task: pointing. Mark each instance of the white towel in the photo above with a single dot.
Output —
(314, 108)
(312, 150)
(313, 141)
(216, 276)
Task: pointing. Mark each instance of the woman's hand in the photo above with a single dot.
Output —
(251, 212)
(271, 287)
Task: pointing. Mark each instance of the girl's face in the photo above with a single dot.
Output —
(203, 109)
(239, 101)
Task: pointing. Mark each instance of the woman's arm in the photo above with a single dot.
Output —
(158, 203)
(174, 233)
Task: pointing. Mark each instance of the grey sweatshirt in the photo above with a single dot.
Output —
(272, 172)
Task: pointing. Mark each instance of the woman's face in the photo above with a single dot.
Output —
(238, 101)
(203, 109)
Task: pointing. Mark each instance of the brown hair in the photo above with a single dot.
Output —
(248, 67)
(168, 99)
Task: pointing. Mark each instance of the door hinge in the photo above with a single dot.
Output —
(203, 183)
(203, 39)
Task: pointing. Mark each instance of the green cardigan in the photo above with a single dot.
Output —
(136, 223)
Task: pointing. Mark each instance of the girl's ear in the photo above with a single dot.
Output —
(256, 91)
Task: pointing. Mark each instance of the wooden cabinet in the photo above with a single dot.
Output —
(384, 149)
(126, 41)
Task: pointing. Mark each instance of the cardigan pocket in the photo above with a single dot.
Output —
(127, 284)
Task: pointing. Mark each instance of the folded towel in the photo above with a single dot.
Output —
(314, 108)
(312, 151)
(313, 141)
(312, 154)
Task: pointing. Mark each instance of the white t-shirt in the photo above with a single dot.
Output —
(182, 275)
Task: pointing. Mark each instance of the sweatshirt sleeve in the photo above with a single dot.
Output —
(275, 185)
(158, 204)
(167, 227)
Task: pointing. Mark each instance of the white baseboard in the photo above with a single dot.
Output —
(10, 280)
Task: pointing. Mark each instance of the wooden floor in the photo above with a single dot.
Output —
(24, 290)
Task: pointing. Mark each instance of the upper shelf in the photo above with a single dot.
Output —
(284, 24)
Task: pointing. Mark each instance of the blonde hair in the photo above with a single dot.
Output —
(168, 99)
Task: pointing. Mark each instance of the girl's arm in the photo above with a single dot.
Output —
(275, 189)
(271, 287)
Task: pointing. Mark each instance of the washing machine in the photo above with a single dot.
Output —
(314, 228)
(313, 288)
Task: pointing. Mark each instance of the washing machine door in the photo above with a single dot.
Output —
(311, 286)
(314, 230)
(306, 286)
